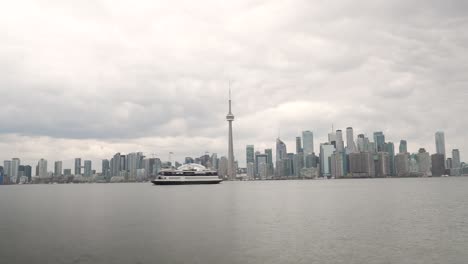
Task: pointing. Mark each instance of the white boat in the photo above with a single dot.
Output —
(187, 174)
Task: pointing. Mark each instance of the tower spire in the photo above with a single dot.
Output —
(230, 117)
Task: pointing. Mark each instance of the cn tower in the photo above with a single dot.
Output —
(230, 117)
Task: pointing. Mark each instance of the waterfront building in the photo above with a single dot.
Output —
(402, 166)
(390, 148)
(15, 163)
(337, 165)
(438, 164)
(339, 141)
(456, 163)
(361, 165)
(28, 172)
(383, 164)
(251, 171)
(403, 146)
(379, 140)
(250, 153)
(106, 169)
(281, 151)
(326, 151)
(77, 166)
(298, 145)
(350, 145)
(223, 167)
(424, 162)
(58, 168)
(308, 142)
(42, 169)
(134, 162)
(260, 159)
(440, 143)
(311, 161)
(87, 168)
(298, 163)
(7, 168)
(67, 172)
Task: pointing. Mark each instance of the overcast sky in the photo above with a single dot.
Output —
(90, 78)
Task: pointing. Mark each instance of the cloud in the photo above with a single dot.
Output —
(91, 78)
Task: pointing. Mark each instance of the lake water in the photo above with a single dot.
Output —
(330, 221)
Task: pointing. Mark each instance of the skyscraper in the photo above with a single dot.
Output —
(231, 169)
(350, 145)
(326, 151)
(390, 148)
(281, 152)
(15, 163)
(250, 153)
(42, 168)
(106, 169)
(403, 146)
(298, 145)
(440, 142)
(438, 164)
(379, 140)
(87, 168)
(7, 168)
(456, 163)
(402, 166)
(78, 166)
(339, 141)
(58, 169)
(308, 142)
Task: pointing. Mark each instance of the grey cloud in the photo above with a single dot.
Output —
(110, 73)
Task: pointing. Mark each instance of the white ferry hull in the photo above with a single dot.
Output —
(185, 180)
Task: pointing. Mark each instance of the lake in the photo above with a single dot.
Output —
(418, 220)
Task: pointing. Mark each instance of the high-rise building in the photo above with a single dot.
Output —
(438, 164)
(403, 146)
(67, 172)
(28, 172)
(134, 162)
(298, 145)
(440, 142)
(308, 142)
(58, 169)
(223, 167)
(281, 152)
(390, 149)
(78, 166)
(326, 151)
(424, 162)
(231, 167)
(379, 140)
(383, 164)
(87, 168)
(337, 164)
(251, 171)
(250, 153)
(15, 163)
(456, 163)
(260, 161)
(361, 165)
(402, 166)
(339, 141)
(106, 169)
(7, 168)
(350, 145)
(42, 168)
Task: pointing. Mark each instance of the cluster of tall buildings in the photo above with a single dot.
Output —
(360, 157)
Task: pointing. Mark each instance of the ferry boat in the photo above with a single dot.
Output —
(187, 174)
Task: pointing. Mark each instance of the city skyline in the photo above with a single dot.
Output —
(77, 165)
(79, 80)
